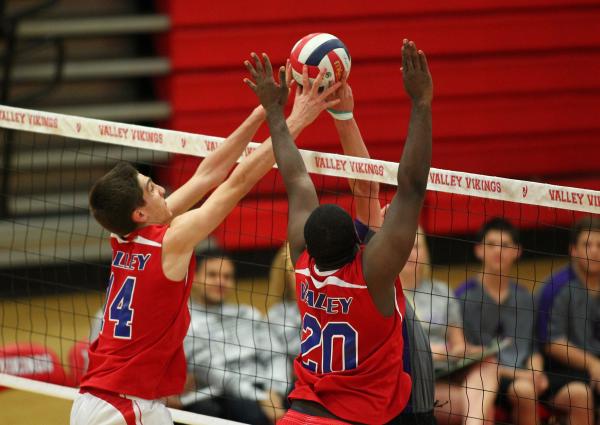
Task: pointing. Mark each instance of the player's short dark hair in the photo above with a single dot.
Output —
(498, 224)
(584, 224)
(115, 196)
(330, 236)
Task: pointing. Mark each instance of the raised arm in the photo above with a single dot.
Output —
(302, 196)
(215, 167)
(388, 250)
(187, 230)
(366, 193)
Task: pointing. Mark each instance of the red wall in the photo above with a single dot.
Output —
(517, 84)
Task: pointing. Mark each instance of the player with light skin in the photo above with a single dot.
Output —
(153, 241)
(323, 239)
(468, 404)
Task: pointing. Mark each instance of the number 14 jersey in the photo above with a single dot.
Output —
(351, 355)
(139, 351)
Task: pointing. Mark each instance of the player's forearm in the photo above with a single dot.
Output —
(413, 170)
(536, 362)
(288, 158)
(569, 355)
(350, 138)
(217, 165)
(366, 193)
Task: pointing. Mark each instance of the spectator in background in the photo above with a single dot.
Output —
(498, 308)
(227, 350)
(467, 396)
(284, 321)
(569, 326)
(369, 217)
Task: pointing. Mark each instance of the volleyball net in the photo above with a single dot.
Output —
(54, 258)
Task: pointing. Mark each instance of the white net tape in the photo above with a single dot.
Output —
(482, 186)
(68, 393)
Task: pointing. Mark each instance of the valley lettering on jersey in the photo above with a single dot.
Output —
(321, 301)
(125, 261)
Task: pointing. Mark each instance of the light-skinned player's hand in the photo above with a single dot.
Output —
(309, 103)
(272, 95)
(344, 94)
(416, 75)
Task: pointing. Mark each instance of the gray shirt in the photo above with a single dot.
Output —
(418, 363)
(575, 315)
(284, 329)
(228, 350)
(436, 308)
(486, 322)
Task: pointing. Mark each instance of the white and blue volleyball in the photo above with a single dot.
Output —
(320, 51)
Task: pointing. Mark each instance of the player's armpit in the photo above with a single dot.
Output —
(387, 252)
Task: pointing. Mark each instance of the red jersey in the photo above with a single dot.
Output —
(351, 355)
(139, 351)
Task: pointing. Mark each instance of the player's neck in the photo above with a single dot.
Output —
(496, 284)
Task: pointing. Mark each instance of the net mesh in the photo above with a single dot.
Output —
(54, 264)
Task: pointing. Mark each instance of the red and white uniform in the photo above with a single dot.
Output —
(139, 351)
(351, 355)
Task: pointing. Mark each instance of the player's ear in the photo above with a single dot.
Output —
(139, 216)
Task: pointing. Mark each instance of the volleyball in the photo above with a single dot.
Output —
(320, 51)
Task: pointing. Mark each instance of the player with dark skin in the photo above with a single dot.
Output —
(386, 253)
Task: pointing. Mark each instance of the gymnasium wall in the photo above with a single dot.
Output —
(517, 91)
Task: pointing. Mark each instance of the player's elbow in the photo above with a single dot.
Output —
(411, 187)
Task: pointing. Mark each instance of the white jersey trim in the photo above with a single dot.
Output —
(396, 304)
(330, 280)
(138, 239)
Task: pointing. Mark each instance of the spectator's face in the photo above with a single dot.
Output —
(586, 252)
(498, 252)
(213, 281)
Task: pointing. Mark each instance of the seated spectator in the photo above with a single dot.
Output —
(568, 326)
(500, 309)
(462, 397)
(284, 322)
(227, 350)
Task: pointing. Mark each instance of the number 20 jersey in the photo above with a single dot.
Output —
(351, 355)
(139, 351)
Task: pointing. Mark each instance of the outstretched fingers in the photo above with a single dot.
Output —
(317, 82)
(423, 61)
(305, 80)
(282, 78)
(251, 69)
(257, 63)
(250, 84)
(268, 67)
(329, 90)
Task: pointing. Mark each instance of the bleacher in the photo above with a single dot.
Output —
(533, 65)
